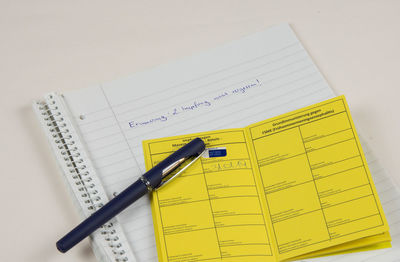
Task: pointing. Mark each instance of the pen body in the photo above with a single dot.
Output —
(104, 214)
(150, 180)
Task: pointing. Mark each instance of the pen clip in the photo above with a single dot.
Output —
(166, 178)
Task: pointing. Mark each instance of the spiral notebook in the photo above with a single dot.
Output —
(96, 133)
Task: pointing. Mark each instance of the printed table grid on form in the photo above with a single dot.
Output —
(229, 221)
(321, 162)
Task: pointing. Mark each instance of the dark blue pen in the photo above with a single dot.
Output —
(152, 179)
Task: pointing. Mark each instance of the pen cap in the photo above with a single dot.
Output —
(191, 149)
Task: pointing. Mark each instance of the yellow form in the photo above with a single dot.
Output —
(294, 185)
(213, 210)
(318, 189)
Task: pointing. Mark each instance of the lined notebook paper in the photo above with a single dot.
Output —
(237, 84)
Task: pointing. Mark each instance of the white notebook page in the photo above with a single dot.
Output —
(242, 82)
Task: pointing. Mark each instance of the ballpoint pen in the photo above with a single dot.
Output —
(153, 179)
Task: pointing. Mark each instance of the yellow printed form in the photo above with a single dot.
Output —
(318, 189)
(293, 186)
(213, 211)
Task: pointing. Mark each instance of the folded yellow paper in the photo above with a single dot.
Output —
(290, 186)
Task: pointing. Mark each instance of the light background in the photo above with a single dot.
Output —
(63, 45)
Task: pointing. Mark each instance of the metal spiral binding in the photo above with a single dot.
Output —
(78, 170)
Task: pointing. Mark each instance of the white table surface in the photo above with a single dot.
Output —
(55, 45)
